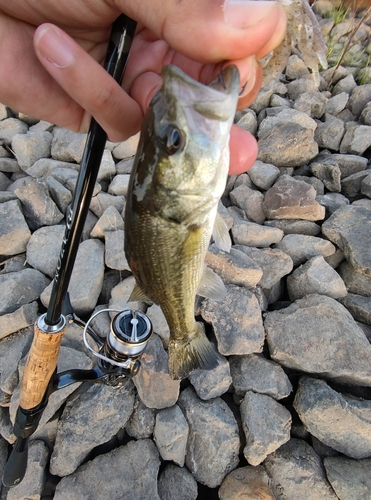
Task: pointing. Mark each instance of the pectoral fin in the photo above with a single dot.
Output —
(221, 234)
(137, 295)
(211, 285)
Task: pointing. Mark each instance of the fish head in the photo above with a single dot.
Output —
(184, 146)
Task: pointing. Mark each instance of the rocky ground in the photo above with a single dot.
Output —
(287, 413)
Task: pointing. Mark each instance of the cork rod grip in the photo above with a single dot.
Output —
(40, 366)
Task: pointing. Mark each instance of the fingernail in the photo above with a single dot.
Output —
(249, 83)
(53, 46)
(244, 13)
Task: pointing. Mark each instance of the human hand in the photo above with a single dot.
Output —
(55, 76)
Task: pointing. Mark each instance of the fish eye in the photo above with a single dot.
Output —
(174, 140)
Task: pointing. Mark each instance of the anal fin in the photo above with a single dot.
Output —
(211, 285)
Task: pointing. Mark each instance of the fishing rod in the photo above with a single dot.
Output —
(118, 355)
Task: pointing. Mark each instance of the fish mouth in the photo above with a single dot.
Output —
(214, 101)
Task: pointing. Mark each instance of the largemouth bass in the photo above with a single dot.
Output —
(178, 177)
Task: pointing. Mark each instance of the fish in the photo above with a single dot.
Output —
(179, 174)
(303, 38)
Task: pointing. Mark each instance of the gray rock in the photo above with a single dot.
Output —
(16, 263)
(111, 220)
(299, 145)
(125, 166)
(67, 145)
(246, 482)
(19, 288)
(351, 185)
(127, 148)
(329, 133)
(359, 307)
(263, 174)
(30, 147)
(14, 231)
(359, 97)
(159, 323)
(349, 229)
(177, 482)
(114, 251)
(345, 84)
(23, 317)
(262, 100)
(296, 471)
(266, 425)
(337, 103)
(366, 186)
(274, 264)
(213, 443)
(102, 201)
(86, 280)
(13, 348)
(4, 182)
(38, 207)
(311, 103)
(350, 432)
(107, 169)
(128, 472)
(171, 434)
(300, 86)
(292, 199)
(44, 247)
(102, 409)
(349, 164)
(245, 334)
(250, 201)
(254, 372)
(335, 349)
(356, 140)
(249, 122)
(46, 166)
(120, 295)
(212, 383)
(355, 280)
(61, 196)
(349, 478)
(67, 176)
(33, 483)
(10, 127)
(315, 276)
(119, 185)
(332, 201)
(255, 235)
(288, 226)
(329, 174)
(142, 421)
(301, 247)
(312, 181)
(155, 387)
(235, 267)
(7, 196)
(9, 165)
(365, 116)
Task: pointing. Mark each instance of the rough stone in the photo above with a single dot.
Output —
(366, 186)
(235, 267)
(14, 231)
(102, 201)
(336, 349)
(44, 247)
(23, 317)
(266, 425)
(67, 145)
(288, 226)
(142, 421)
(255, 235)
(355, 280)
(315, 276)
(350, 229)
(329, 174)
(38, 207)
(359, 97)
(349, 164)
(127, 148)
(311, 103)
(212, 383)
(254, 372)
(115, 257)
(359, 307)
(103, 410)
(249, 122)
(159, 324)
(250, 201)
(119, 185)
(263, 175)
(349, 478)
(131, 469)
(299, 145)
(213, 442)
(341, 422)
(337, 103)
(301, 247)
(30, 147)
(245, 334)
(356, 140)
(177, 482)
(329, 133)
(120, 295)
(9, 128)
(171, 434)
(296, 471)
(155, 387)
(248, 482)
(107, 168)
(19, 288)
(9, 165)
(292, 199)
(111, 220)
(332, 201)
(61, 196)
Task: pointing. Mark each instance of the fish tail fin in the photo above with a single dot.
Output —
(196, 352)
